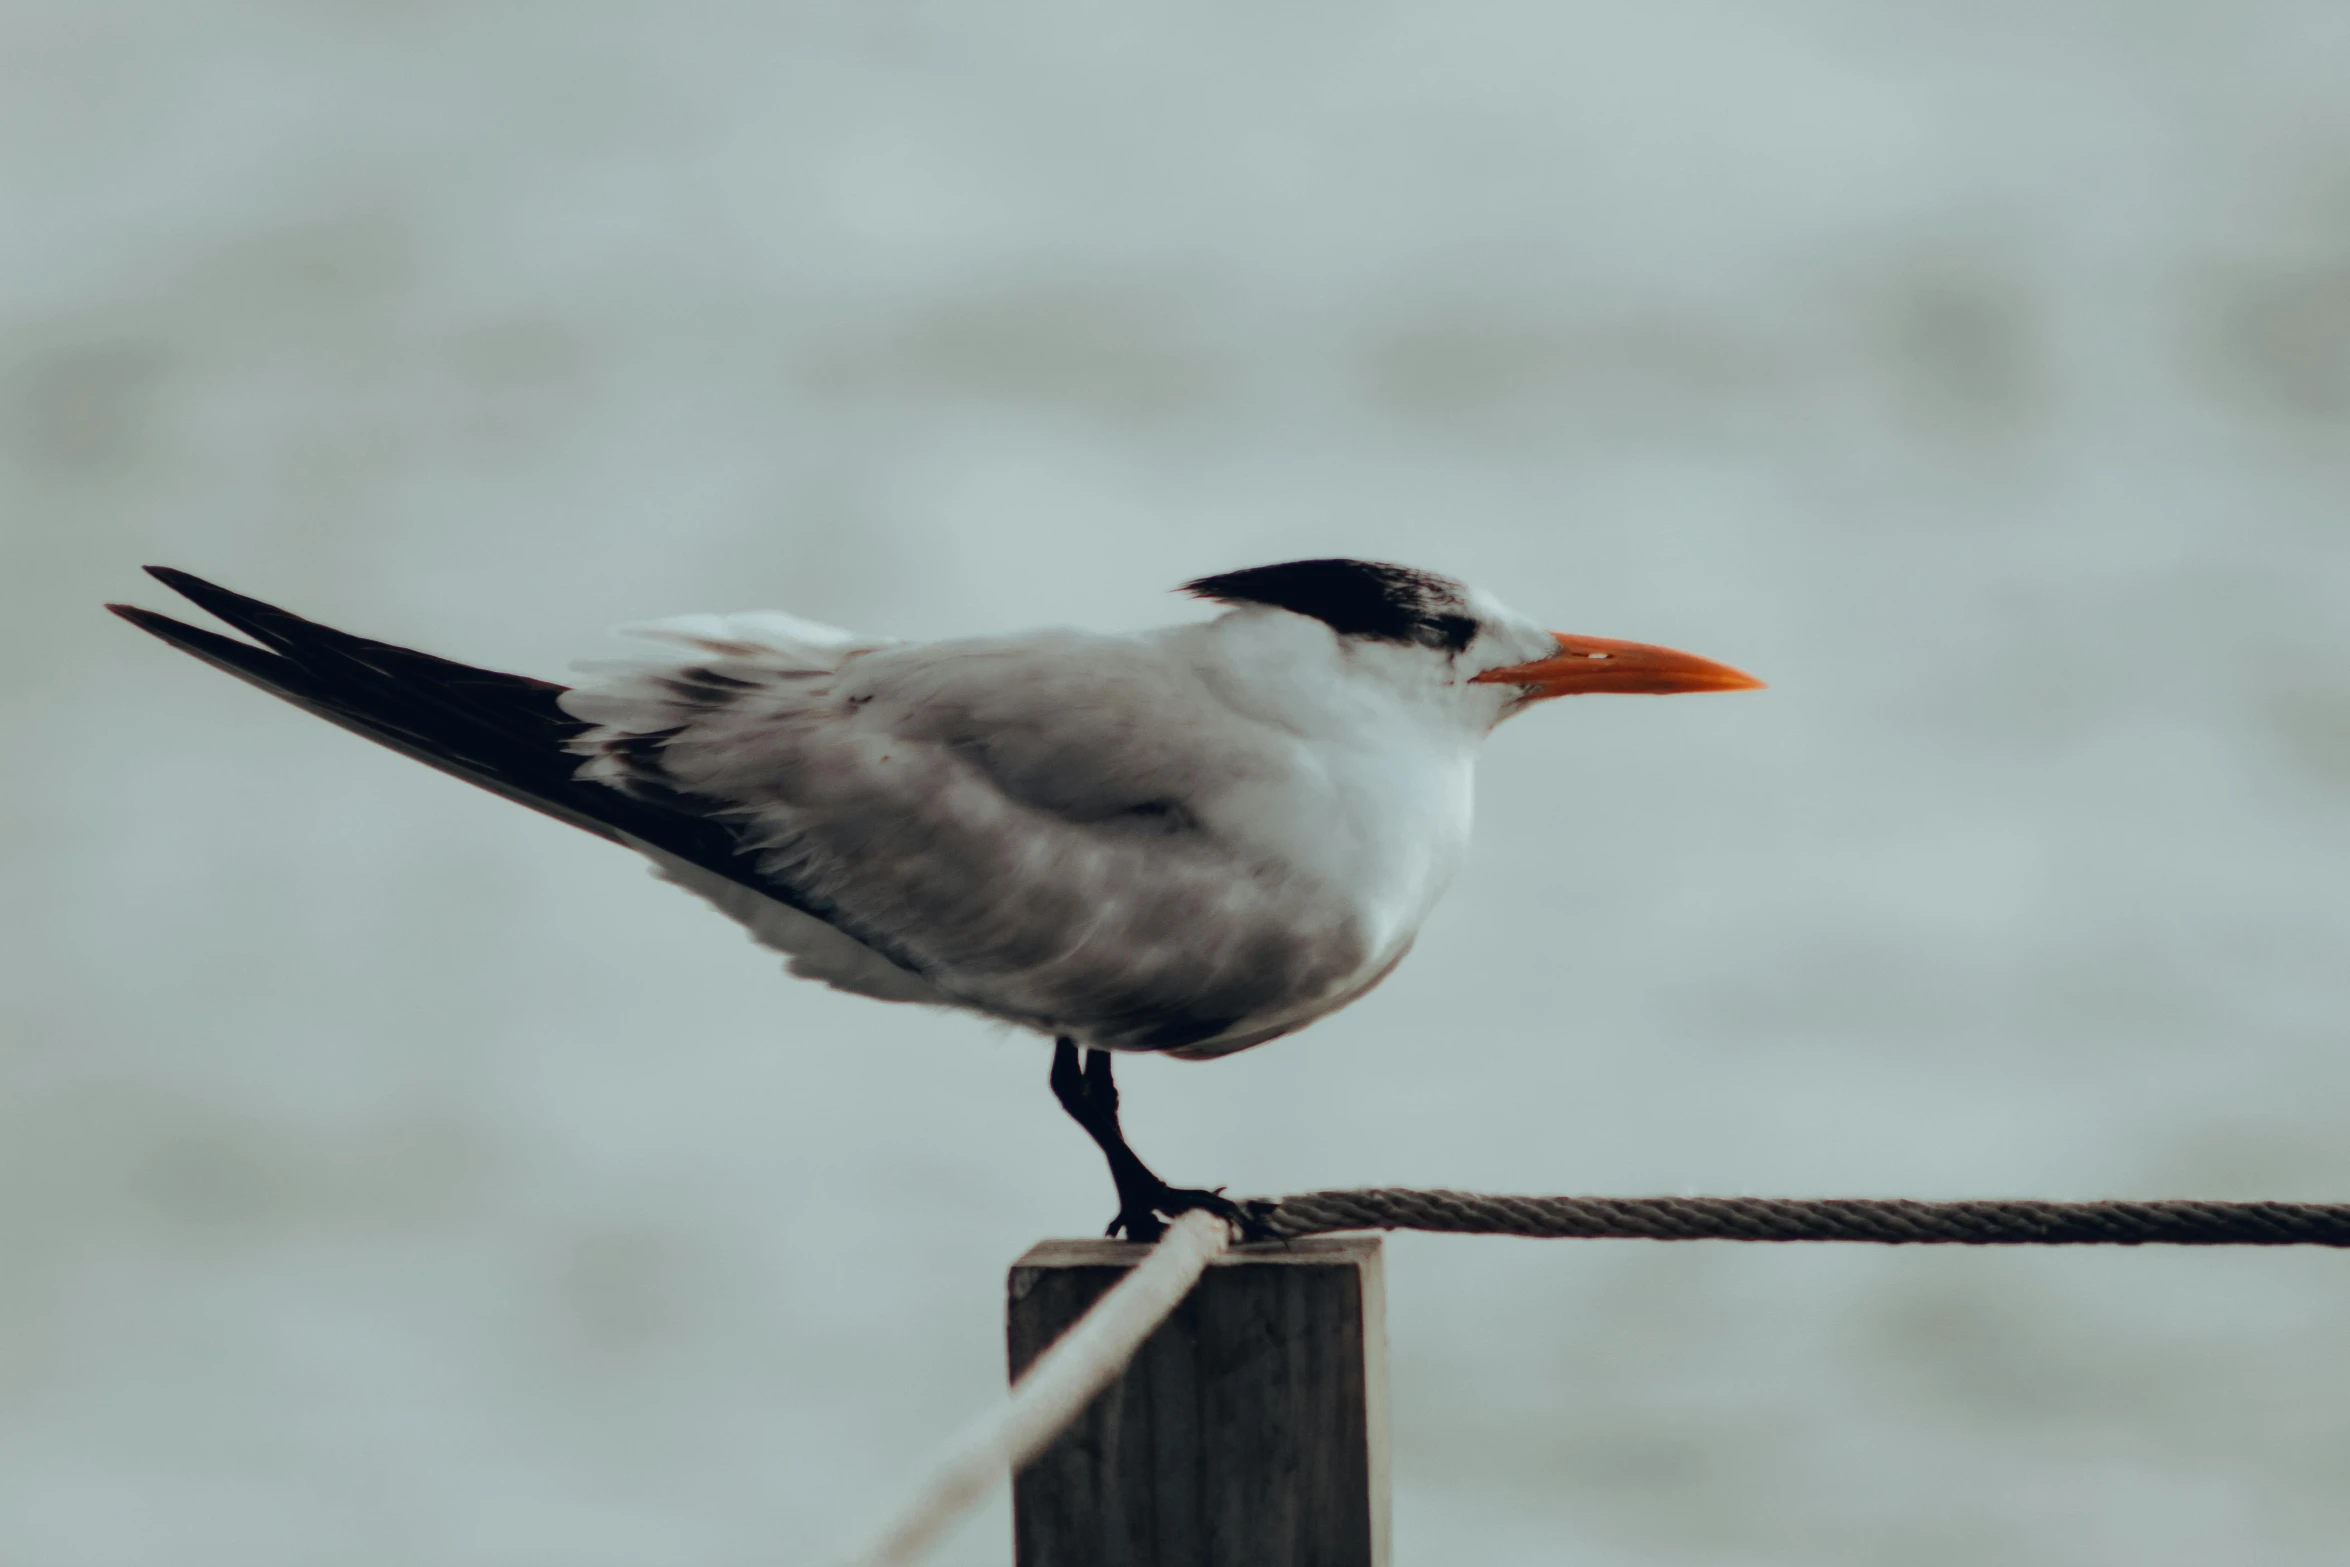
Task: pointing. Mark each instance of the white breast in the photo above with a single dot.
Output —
(1379, 803)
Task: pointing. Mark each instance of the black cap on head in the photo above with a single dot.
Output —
(1355, 598)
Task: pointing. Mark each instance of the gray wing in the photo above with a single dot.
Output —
(1039, 828)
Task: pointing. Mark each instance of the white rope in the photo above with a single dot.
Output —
(1056, 1389)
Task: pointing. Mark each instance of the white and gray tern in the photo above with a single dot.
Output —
(1189, 840)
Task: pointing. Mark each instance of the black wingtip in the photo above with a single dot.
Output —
(144, 619)
(177, 580)
(264, 622)
(504, 733)
(231, 607)
(242, 659)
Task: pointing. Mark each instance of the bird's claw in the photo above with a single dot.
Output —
(1140, 1217)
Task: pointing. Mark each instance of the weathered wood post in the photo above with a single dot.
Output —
(1251, 1431)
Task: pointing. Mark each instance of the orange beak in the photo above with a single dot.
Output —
(1584, 665)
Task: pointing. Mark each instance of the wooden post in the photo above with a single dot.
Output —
(1251, 1431)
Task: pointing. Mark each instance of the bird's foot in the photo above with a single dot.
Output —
(1141, 1214)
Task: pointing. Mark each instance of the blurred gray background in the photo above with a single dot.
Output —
(390, 1176)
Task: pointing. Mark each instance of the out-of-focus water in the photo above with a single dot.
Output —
(388, 1175)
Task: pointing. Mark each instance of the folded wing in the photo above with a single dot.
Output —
(1043, 826)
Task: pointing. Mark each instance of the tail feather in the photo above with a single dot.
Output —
(501, 732)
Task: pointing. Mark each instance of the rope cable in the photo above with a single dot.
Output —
(1881, 1221)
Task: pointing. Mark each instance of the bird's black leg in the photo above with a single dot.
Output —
(1144, 1201)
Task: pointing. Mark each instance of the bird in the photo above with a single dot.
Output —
(1185, 841)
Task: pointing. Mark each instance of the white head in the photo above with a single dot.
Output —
(1464, 638)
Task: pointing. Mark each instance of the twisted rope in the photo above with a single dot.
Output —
(1884, 1222)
